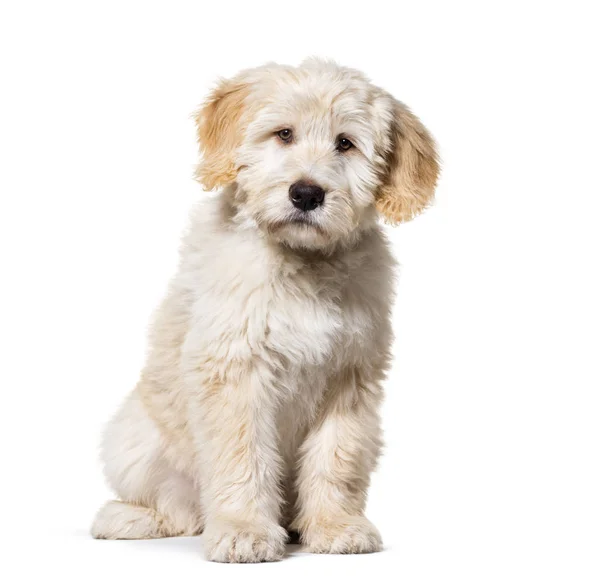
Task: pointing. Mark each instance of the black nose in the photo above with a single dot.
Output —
(306, 196)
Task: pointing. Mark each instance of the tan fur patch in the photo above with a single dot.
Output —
(220, 127)
(413, 169)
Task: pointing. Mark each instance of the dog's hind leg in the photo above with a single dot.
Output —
(172, 514)
(119, 520)
(155, 499)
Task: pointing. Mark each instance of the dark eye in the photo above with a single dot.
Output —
(344, 144)
(285, 135)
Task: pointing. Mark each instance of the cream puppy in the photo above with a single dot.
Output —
(257, 410)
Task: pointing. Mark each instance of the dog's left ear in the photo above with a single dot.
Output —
(220, 124)
(412, 167)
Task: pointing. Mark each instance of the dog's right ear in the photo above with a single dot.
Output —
(220, 123)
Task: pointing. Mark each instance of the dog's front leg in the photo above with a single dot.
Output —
(336, 461)
(241, 466)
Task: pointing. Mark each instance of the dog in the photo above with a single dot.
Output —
(257, 410)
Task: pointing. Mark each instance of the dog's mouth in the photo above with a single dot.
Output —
(300, 220)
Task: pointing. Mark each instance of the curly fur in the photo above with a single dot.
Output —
(257, 410)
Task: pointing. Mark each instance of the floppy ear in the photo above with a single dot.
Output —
(220, 124)
(412, 168)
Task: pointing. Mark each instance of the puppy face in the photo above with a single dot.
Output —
(313, 152)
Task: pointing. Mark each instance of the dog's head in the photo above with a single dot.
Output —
(314, 151)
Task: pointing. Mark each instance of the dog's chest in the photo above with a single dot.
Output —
(315, 319)
(302, 327)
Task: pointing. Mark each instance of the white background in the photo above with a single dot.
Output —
(491, 471)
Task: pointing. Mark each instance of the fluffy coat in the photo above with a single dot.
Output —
(257, 410)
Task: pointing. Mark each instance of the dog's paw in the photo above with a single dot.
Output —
(243, 542)
(342, 535)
